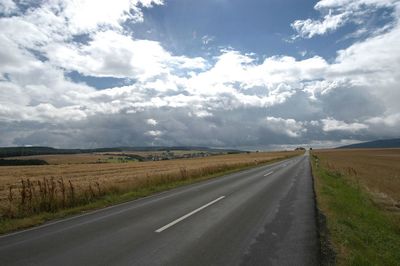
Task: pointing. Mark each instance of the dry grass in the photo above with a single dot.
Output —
(377, 170)
(26, 190)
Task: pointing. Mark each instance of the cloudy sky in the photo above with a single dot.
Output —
(220, 73)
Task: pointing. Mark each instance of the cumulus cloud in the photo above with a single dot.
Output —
(8, 7)
(289, 127)
(152, 122)
(392, 120)
(330, 124)
(309, 28)
(338, 13)
(112, 54)
(82, 18)
(232, 99)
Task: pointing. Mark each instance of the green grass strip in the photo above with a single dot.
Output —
(360, 231)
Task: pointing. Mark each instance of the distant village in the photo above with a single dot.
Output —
(168, 155)
(161, 156)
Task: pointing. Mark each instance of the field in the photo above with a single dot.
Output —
(359, 192)
(26, 191)
(102, 157)
(376, 170)
(56, 159)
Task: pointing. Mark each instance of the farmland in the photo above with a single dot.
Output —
(376, 170)
(30, 190)
(358, 190)
(114, 156)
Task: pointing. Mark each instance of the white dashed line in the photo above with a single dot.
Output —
(187, 215)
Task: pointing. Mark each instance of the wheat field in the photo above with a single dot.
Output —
(377, 170)
(25, 190)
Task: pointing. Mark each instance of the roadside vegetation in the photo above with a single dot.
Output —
(358, 191)
(31, 195)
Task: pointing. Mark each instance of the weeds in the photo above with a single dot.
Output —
(47, 195)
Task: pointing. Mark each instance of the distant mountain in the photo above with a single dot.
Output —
(384, 143)
(24, 151)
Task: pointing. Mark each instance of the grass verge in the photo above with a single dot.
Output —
(8, 225)
(360, 231)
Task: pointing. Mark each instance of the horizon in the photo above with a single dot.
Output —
(243, 149)
(215, 73)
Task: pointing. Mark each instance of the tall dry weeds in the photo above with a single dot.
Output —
(47, 195)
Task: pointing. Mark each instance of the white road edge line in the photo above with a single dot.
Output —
(187, 215)
(268, 173)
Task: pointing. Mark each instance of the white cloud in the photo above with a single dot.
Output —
(8, 7)
(386, 124)
(392, 120)
(330, 124)
(316, 88)
(289, 127)
(353, 4)
(337, 13)
(203, 113)
(206, 39)
(154, 133)
(42, 112)
(309, 28)
(35, 83)
(116, 55)
(151, 122)
(303, 53)
(379, 54)
(332, 143)
(250, 84)
(373, 64)
(88, 15)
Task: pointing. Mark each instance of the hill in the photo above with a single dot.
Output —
(25, 151)
(384, 143)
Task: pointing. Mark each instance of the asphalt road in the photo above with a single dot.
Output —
(261, 216)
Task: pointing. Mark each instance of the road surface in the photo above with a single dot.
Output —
(260, 216)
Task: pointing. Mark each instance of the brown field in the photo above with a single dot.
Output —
(377, 170)
(50, 187)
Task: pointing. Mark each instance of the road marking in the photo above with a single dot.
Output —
(187, 215)
(268, 173)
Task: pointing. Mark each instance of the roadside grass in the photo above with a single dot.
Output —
(361, 232)
(56, 199)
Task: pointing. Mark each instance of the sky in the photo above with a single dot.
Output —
(254, 74)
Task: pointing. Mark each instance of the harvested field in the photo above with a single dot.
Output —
(106, 157)
(358, 193)
(66, 158)
(377, 170)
